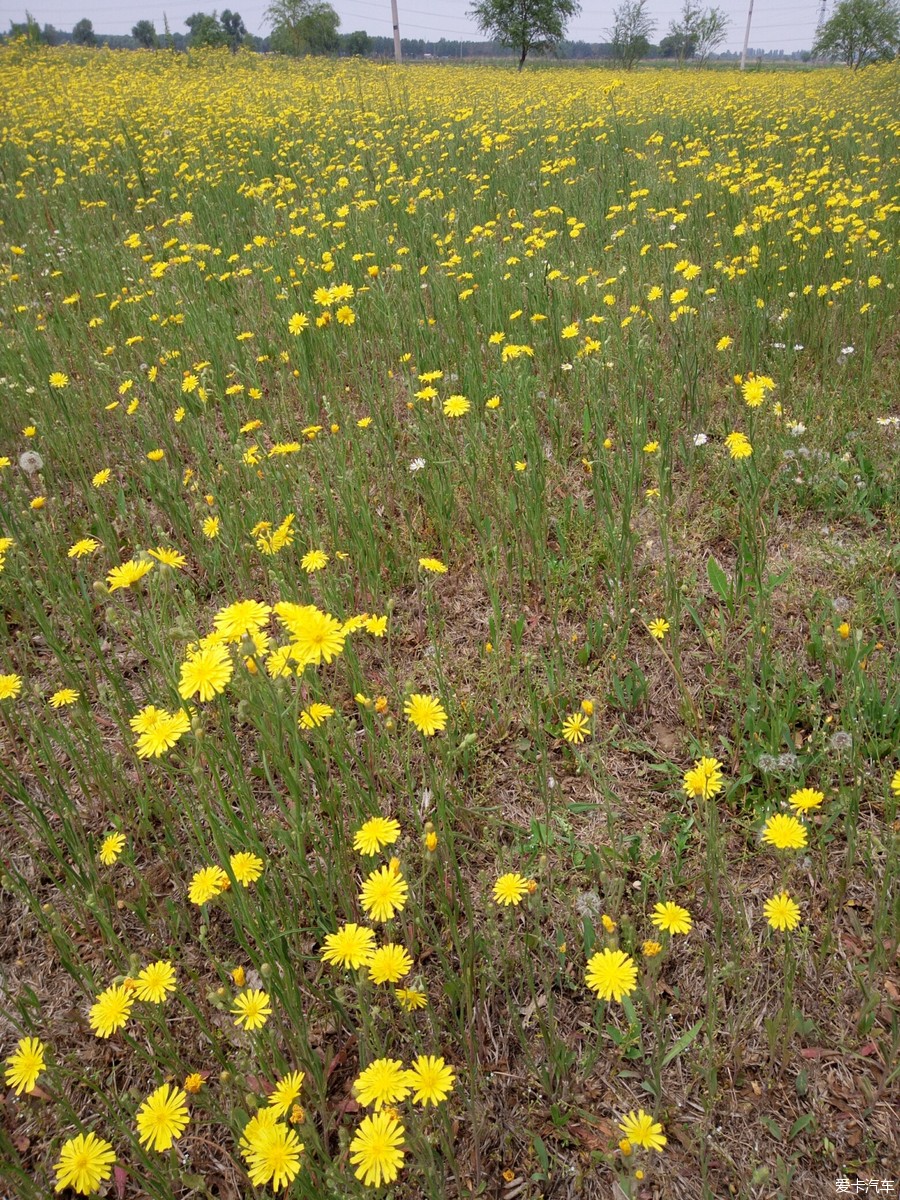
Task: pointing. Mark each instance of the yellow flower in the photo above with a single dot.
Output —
(156, 455)
(456, 406)
(376, 1150)
(317, 636)
(128, 574)
(38, 502)
(575, 728)
(510, 889)
(168, 558)
(64, 697)
(704, 779)
(384, 1081)
(375, 834)
(58, 379)
(431, 1080)
(206, 884)
(155, 982)
(351, 947)
(384, 893)
(193, 1083)
(285, 1093)
(273, 1154)
(252, 1009)
(426, 713)
(650, 949)
(805, 799)
(110, 848)
(162, 731)
(210, 527)
(241, 619)
(434, 565)
(641, 1130)
(206, 672)
(658, 628)
(782, 912)
(246, 867)
(784, 833)
(315, 560)
(315, 715)
(724, 343)
(844, 629)
(24, 1065)
(611, 974)
(410, 999)
(389, 963)
(162, 1118)
(10, 686)
(672, 918)
(82, 547)
(101, 478)
(296, 325)
(738, 445)
(85, 1161)
(111, 1010)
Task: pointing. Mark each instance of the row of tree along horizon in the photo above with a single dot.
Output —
(203, 32)
(858, 32)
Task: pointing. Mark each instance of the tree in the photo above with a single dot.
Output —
(630, 32)
(860, 32)
(205, 30)
(303, 27)
(234, 28)
(83, 33)
(526, 26)
(144, 33)
(357, 42)
(697, 32)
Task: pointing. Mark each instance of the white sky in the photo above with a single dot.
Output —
(777, 24)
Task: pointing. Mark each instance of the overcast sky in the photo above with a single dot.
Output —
(777, 24)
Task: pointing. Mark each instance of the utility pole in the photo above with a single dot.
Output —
(823, 7)
(398, 57)
(747, 36)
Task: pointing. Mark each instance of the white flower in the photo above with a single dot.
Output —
(700, 439)
(566, 367)
(797, 428)
(798, 345)
(779, 346)
(417, 464)
(888, 420)
(847, 350)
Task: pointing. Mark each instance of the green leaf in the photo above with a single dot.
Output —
(682, 1044)
(803, 1122)
(773, 1127)
(718, 581)
(541, 1151)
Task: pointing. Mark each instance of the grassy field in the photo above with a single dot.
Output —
(449, 612)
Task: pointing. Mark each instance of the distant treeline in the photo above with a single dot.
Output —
(371, 46)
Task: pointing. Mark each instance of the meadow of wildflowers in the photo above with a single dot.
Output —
(449, 688)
